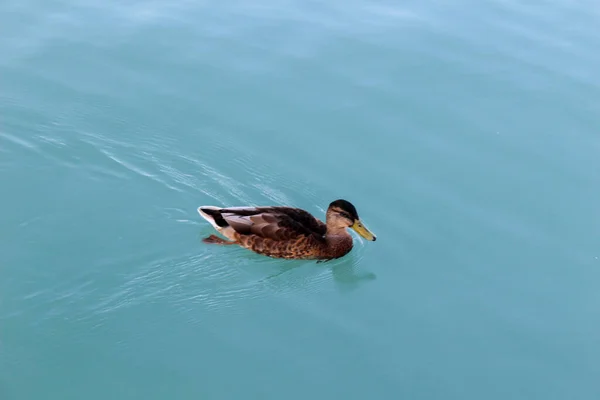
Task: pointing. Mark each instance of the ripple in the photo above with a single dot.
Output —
(133, 168)
(220, 278)
(275, 195)
(19, 141)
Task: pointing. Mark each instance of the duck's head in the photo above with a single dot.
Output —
(342, 214)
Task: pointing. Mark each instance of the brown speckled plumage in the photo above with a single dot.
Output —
(285, 232)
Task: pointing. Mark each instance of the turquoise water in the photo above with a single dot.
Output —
(466, 134)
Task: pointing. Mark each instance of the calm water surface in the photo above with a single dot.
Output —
(466, 133)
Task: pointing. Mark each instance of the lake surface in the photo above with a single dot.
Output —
(466, 133)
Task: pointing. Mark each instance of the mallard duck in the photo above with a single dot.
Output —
(287, 232)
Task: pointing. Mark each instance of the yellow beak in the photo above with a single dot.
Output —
(363, 231)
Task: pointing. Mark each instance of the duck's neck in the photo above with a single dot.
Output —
(339, 241)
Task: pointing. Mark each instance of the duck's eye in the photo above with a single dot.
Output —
(346, 215)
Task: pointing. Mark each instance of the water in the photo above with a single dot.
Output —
(466, 134)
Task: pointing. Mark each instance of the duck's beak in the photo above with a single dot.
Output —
(363, 231)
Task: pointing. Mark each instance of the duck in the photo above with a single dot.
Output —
(287, 232)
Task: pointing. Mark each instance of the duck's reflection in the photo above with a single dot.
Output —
(345, 272)
(347, 275)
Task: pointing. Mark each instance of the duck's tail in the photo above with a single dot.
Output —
(213, 215)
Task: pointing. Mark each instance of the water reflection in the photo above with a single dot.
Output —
(345, 272)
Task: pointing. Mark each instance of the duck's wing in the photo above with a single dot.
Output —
(275, 223)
